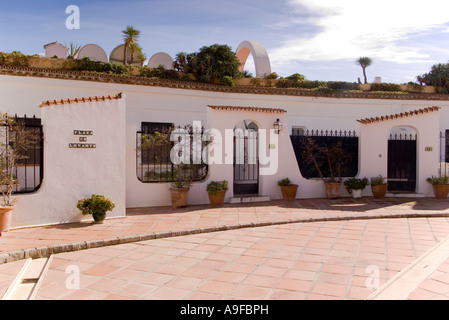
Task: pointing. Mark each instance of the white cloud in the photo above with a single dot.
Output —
(352, 28)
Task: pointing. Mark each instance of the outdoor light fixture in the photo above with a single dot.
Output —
(277, 126)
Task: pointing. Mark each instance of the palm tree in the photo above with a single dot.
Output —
(130, 36)
(364, 62)
(134, 47)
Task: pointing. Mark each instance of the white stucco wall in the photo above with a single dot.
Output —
(73, 173)
(373, 148)
(21, 95)
(280, 163)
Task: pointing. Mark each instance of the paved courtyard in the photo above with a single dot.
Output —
(307, 249)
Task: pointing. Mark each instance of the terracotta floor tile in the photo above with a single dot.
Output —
(286, 295)
(165, 293)
(270, 271)
(330, 289)
(295, 285)
(118, 297)
(106, 285)
(250, 292)
(99, 270)
(135, 290)
(217, 287)
(186, 283)
(86, 295)
(227, 276)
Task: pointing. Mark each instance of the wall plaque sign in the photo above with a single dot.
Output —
(83, 132)
(83, 145)
(82, 139)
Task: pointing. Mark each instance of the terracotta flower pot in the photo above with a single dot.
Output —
(289, 192)
(179, 197)
(332, 189)
(216, 198)
(5, 218)
(379, 191)
(440, 191)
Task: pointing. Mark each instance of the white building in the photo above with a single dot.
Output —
(111, 121)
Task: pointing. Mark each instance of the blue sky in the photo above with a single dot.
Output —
(318, 38)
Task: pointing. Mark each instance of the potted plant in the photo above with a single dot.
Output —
(288, 189)
(15, 141)
(330, 163)
(355, 186)
(217, 191)
(440, 186)
(180, 186)
(96, 205)
(379, 187)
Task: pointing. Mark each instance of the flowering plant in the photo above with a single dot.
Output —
(95, 204)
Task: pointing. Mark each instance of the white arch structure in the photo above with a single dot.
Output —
(259, 54)
(161, 58)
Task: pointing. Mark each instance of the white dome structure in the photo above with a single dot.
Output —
(93, 52)
(161, 58)
(117, 56)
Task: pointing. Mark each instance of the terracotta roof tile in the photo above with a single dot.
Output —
(398, 115)
(79, 100)
(252, 109)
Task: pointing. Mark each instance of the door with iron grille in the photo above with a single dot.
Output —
(246, 161)
(402, 162)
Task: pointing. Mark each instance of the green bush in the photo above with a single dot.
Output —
(443, 180)
(379, 180)
(86, 64)
(215, 186)
(95, 204)
(342, 85)
(356, 184)
(284, 182)
(227, 81)
(307, 84)
(15, 58)
(393, 87)
(438, 76)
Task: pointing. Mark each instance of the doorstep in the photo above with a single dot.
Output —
(249, 198)
(399, 194)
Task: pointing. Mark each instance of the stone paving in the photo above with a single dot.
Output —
(307, 249)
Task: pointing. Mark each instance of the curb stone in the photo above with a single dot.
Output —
(46, 251)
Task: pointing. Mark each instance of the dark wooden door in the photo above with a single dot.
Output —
(402, 163)
(246, 162)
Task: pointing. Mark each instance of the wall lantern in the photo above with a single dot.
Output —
(277, 126)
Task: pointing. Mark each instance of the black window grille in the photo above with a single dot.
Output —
(29, 170)
(154, 153)
(326, 138)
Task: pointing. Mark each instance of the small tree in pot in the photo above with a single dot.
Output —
(330, 163)
(15, 141)
(182, 180)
